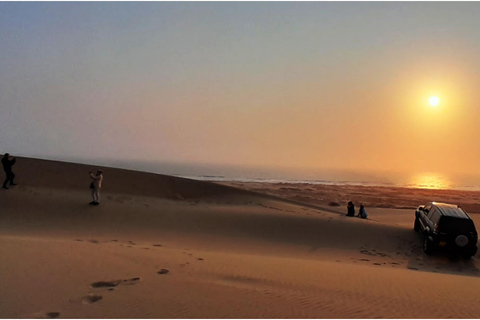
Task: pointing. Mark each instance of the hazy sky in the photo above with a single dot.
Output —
(312, 84)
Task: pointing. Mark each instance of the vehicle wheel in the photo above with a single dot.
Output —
(416, 225)
(427, 245)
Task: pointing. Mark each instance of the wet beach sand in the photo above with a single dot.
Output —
(164, 247)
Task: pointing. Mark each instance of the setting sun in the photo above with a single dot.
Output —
(434, 101)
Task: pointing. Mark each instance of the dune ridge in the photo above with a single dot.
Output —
(58, 174)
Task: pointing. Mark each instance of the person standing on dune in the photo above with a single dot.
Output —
(95, 186)
(7, 167)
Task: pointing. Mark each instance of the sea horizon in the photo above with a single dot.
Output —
(427, 180)
(324, 176)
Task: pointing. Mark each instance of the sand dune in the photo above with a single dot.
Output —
(165, 247)
(72, 176)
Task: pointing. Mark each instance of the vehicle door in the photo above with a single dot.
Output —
(424, 216)
(429, 221)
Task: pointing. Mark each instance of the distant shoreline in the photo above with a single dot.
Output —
(371, 196)
(222, 179)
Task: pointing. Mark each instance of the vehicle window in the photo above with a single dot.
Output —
(427, 207)
(435, 218)
(431, 212)
(451, 224)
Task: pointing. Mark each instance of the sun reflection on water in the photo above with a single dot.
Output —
(430, 181)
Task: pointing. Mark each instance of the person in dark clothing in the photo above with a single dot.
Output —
(7, 167)
(350, 209)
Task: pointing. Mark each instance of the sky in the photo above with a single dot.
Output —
(341, 85)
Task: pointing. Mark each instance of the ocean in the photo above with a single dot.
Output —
(422, 180)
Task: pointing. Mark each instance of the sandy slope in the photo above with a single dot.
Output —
(228, 253)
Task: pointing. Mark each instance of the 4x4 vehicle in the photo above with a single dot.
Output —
(446, 226)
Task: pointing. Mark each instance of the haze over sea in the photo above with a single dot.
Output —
(425, 180)
(222, 172)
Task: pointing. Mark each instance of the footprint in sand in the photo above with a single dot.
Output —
(92, 298)
(201, 259)
(106, 284)
(130, 281)
(52, 315)
(163, 271)
(158, 245)
(114, 283)
(367, 252)
(373, 252)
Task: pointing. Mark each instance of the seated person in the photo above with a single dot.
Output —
(362, 213)
(350, 209)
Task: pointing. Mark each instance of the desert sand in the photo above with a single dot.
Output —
(165, 247)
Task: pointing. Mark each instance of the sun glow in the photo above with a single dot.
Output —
(434, 101)
(430, 180)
